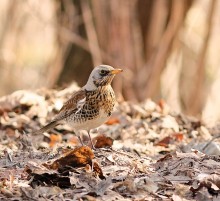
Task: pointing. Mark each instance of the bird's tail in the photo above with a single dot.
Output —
(52, 124)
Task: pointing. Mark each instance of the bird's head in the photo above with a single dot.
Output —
(101, 76)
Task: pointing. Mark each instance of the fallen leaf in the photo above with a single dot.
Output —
(178, 136)
(164, 107)
(54, 139)
(102, 141)
(164, 158)
(94, 185)
(50, 179)
(127, 185)
(170, 140)
(97, 170)
(181, 190)
(48, 191)
(21, 109)
(39, 175)
(112, 120)
(79, 157)
(164, 142)
(88, 168)
(10, 131)
(170, 122)
(204, 195)
(151, 186)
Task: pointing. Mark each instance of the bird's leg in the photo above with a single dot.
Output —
(93, 147)
(80, 140)
(78, 135)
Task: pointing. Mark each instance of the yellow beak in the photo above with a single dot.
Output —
(116, 71)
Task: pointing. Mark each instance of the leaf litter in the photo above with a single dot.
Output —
(144, 152)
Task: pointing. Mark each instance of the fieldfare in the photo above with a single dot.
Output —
(89, 107)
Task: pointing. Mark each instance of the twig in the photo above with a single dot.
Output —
(122, 153)
(81, 42)
(164, 179)
(173, 180)
(203, 149)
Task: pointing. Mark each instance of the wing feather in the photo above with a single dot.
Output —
(73, 105)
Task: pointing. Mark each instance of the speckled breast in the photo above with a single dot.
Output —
(97, 109)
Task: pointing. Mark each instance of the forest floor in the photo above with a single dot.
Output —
(144, 152)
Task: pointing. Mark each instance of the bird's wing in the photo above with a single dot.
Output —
(73, 105)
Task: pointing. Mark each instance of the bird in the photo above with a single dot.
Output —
(90, 106)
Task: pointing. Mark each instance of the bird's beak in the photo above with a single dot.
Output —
(116, 71)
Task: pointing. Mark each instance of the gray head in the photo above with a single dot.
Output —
(101, 76)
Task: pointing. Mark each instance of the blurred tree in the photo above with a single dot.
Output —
(134, 34)
(165, 46)
(72, 46)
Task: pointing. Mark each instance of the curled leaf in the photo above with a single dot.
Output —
(102, 141)
(78, 157)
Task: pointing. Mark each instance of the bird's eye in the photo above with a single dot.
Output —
(103, 72)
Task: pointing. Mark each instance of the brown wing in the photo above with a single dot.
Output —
(71, 106)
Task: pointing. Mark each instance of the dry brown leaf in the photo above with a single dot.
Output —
(164, 142)
(97, 170)
(49, 179)
(39, 175)
(164, 107)
(88, 168)
(78, 157)
(10, 131)
(21, 109)
(175, 137)
(164, 158)
(102, 141)
(178, 136)
(112, 120)
(54, 139)
(126, 186)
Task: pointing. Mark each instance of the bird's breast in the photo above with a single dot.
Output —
(96, 111)
(107, 100)
(88, 121)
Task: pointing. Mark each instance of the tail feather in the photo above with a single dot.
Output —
(52, 124)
